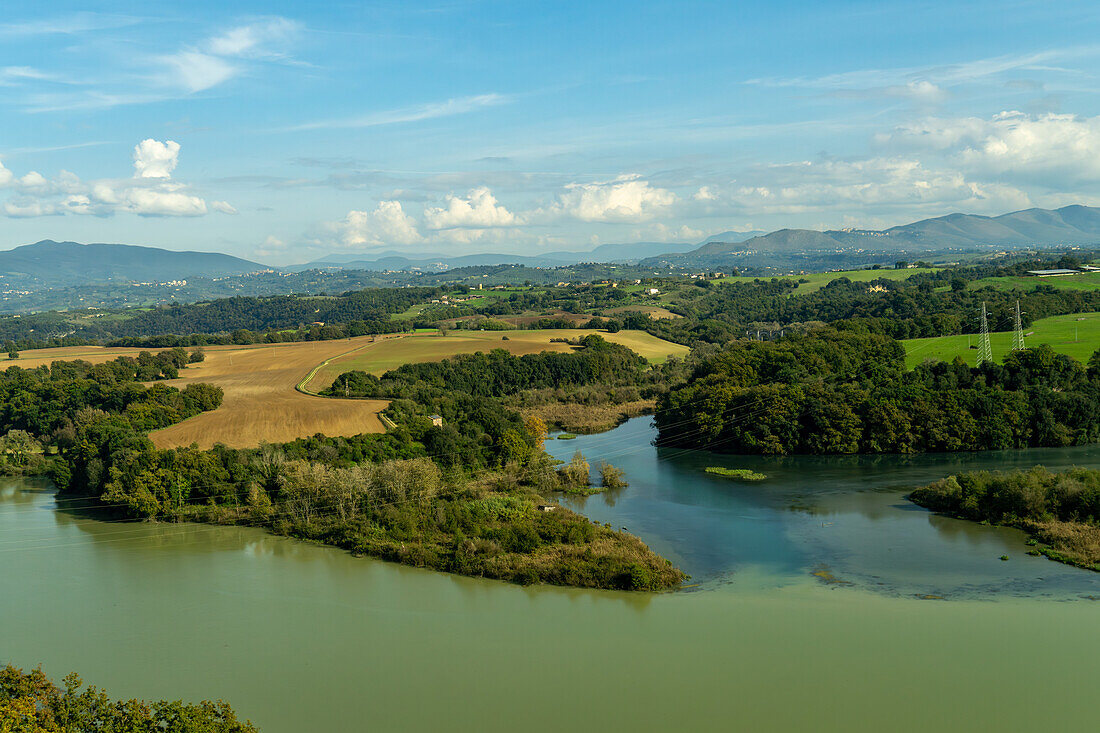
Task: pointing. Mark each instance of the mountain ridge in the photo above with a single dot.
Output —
(48, 263)
(1035, 227)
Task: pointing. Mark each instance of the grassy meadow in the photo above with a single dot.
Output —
(1077, 335)
(818, 280)
(1085, 281)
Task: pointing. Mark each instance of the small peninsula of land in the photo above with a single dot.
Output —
(1058, 509)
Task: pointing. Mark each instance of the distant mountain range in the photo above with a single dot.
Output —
(1070, 225)
(626, 253)
(49, 264)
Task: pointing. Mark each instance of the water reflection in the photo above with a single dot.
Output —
(845, 513)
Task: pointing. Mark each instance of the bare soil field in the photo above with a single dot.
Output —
(387, 354)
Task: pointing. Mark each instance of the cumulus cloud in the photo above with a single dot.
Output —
(627, 198)
(155, 159)
(1045, 148)
(884, 183)
(387, 224)
(150, 192)
(478, 210)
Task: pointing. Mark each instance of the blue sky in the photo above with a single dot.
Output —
(285, 131)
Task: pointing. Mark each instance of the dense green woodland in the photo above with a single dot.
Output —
(847, 391)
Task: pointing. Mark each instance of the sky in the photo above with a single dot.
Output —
(284, 132)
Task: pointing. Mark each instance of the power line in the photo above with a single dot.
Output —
(1018, 337)
(985, 352)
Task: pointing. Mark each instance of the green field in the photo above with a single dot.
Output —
(1088, 281)
(818, 280)
(1065, 334)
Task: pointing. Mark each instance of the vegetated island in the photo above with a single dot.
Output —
(1060, 510)
(457, 485)
(30, 703)
(737, 474)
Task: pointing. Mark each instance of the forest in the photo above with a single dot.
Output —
(836, 391)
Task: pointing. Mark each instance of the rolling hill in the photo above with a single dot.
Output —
(1070, 225)
(49, 264)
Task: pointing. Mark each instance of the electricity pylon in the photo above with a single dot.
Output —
(985, 353)
(1018, 337)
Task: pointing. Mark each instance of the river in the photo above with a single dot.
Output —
(300, 637)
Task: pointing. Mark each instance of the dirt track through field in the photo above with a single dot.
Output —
(261, 402)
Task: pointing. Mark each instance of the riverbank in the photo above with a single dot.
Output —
(1057, 509)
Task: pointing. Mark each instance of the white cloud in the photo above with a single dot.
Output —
(478, 210)
(255, 40)
(874, 183)
(73, 24)
(21, 209)
(704, 194)
(161, 201)
(1048, 149)
(272, 246)
(416, 113)
(627, 198)
(224, 207)
(388, 224)
(196, 71)
(12, 75)
(665, 233)
(154, 159)
(943, 75)
(150, 192)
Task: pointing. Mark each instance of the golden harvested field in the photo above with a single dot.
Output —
(388, 354)
(261, 402)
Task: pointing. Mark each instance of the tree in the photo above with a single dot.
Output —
(13, 352)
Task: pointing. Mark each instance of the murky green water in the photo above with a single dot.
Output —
(306, 638)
